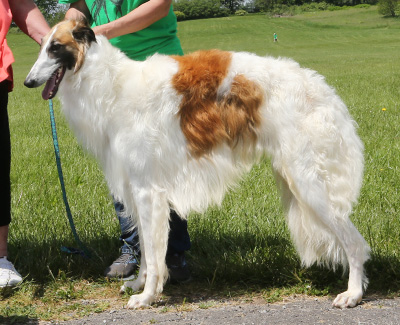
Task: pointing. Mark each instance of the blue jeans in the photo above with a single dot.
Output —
(178, 239)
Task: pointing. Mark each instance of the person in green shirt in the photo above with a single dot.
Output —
(139, 28)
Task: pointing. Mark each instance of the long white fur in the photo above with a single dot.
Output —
(126, 114)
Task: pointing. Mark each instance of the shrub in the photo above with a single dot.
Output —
(180, 15)
(389, 7)
(322, 5)
(313, 6)
(283, 10)
(334, 8)
(240, 12)
(196, 9)
(363, 5)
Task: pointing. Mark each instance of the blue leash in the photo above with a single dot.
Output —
(83, 250)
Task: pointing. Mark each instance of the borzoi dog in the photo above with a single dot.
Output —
(178, 131)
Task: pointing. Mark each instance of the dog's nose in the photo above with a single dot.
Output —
(30, 83)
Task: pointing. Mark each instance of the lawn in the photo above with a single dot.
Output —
(243, 246)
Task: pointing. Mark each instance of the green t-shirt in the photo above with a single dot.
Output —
(159, 37)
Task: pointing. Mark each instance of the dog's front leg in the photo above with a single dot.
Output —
(139, 283)
(153, 214)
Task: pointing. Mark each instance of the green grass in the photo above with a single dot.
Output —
(244, 246)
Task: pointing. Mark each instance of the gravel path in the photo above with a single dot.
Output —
(292, 311)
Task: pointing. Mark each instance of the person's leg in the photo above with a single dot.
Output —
(8, 275)
(178, 243)
(5, 163)
(179, 239)
(128, 262)
(3, 240)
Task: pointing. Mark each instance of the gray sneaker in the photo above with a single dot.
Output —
(124, 266)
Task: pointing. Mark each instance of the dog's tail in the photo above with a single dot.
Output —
(318, 192)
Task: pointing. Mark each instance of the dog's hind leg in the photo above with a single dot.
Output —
(357, 252)
(321, 232)
(153, 213)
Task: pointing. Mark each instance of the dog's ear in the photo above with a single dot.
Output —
(84, 36)
(82, 33)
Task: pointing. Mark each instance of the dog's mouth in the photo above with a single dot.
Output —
(51, 87)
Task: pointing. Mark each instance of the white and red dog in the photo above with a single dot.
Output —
(180, 131)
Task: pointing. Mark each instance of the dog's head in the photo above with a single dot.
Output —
(63, 48)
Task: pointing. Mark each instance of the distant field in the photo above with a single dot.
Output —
(244, 244)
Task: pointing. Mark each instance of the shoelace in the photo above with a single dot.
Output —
(126, 257)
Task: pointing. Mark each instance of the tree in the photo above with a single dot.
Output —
(264, 5)
(389, 7)
(47, 7)
(50, 9)
(232, 5)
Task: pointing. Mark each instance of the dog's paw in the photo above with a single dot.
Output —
(140, 301)
(134, 285)
(347, 299)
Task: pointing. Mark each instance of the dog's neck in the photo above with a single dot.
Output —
(88, 92)
(99, 66)
(102, 55)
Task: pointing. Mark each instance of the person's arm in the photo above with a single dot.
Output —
(77, 10)
(29, 19)
(138, 19)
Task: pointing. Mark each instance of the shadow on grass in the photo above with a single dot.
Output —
(218, 261)
(271, 262)
(18, 320)
(384, 274)
(43, 262)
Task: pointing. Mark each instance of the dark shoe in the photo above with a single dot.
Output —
(178, 268)
(124, 266)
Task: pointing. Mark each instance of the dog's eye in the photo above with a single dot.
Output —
(55, 47)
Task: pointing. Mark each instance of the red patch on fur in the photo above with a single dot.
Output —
(206, 119)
